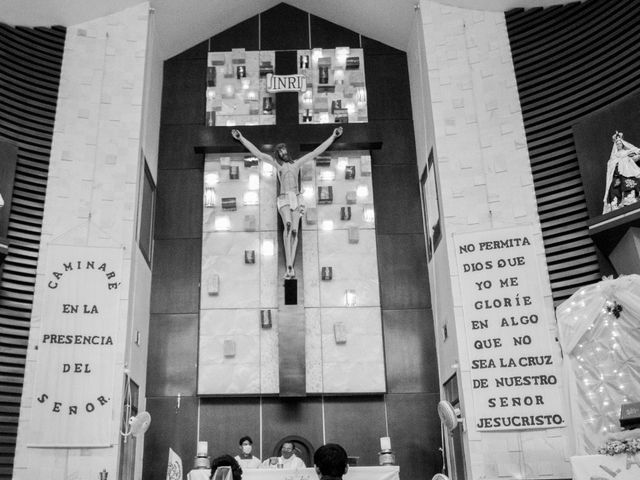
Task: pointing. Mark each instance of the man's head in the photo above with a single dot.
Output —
(282, 152)
(287, 449)
(331, 460)
(226, 461)
(246, 444)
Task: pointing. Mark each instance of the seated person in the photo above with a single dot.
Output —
(330, 461)
(287, 459)
(245, 458)
(226, 461)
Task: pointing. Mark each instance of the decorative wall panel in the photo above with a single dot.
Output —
(238, 352)
(336, 91)
(31, 59)
(583, 60)
(236, 90)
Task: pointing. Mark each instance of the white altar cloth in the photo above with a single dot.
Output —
(606, 467)
(354, 473)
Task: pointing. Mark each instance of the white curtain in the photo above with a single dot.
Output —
(600, 336)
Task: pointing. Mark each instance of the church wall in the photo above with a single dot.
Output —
(425, 144)
(485, 183)
(406, 411)
(91, 202)
(25, 146)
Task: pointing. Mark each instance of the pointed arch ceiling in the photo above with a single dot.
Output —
(180, 24)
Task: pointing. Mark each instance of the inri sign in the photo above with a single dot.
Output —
(286, 83)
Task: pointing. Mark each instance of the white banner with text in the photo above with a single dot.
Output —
(515, 373)
(76, 349)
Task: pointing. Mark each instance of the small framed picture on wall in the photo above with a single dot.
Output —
(431, 205)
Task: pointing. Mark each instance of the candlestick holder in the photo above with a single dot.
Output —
(386, 457)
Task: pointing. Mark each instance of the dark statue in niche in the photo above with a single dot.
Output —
(290, 201)
(623, 175)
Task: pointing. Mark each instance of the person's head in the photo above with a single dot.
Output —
(287, 449)
(331, 460)
(226, 461)
(246, 444)
(617, 140)
(282, 152)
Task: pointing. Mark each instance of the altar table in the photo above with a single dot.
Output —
(354, 473)
(606, 467)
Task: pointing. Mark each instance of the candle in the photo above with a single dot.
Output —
(385, 443)
(203, 448)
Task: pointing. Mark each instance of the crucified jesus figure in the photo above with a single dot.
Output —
(290, 201)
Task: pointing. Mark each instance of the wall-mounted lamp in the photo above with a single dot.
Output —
(362, 191)
(368, 214)
(267, 169)
(268, 248)
(222, 223)
(210, 179)
(327, 175)
(351, 107)
(350, 298)
(342, 163)
(365, 165)
(254, 181)
(251, 198)
(327, 225)
(209, 197)
(307, 192)
(228, 91)
(307, 98)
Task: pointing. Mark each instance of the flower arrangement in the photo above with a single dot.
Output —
(616, 447)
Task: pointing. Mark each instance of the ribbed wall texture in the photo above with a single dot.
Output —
(569, 61)
(30, 61)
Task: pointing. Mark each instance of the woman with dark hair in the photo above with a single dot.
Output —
(226, 461)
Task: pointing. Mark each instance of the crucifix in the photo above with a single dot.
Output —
(290, 201)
